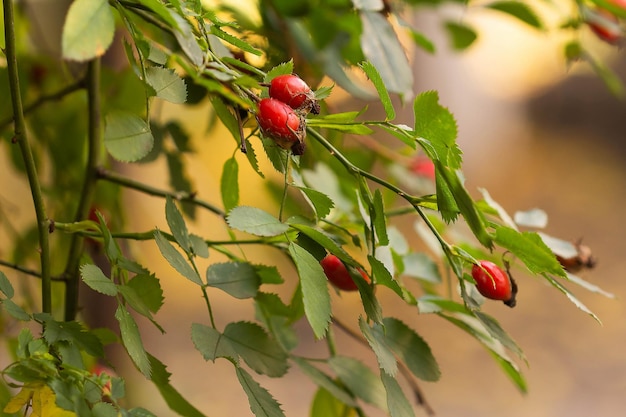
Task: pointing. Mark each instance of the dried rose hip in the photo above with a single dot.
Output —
(338, 274)
(493, 283)
(293, 91)
(280, 122)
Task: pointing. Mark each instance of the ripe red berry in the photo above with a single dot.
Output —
(493, 283)
(338, 274)
(423, 167)
(293, 91)
(280, 122)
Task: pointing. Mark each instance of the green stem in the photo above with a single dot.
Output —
(27, 155)
(88, 189)
(157, 192)
(44, 99)
(20, 268)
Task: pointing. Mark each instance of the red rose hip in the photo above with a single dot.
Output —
(493, 283)
(280, 122)
(338, 274)
(605, 26)
(293, 91)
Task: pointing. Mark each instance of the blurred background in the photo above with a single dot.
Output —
(535, 133)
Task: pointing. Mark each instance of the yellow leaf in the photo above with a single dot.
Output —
(22, 398)
(44, 404)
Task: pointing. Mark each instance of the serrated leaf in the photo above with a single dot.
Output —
(324, 240)
(212, 344)
(14, 310)
(176, 402)
(255, 221)
(354, 128)
(229, 184)
(496, 331)
(283, 68)
(380, 225)
(579, 304)
(530, 249)
(177, 224)
(186, 38)
(409, 347)
(461, 35)
(326, 404)
(137, 303)
(321, 203)
(261, 353)
(437, 126)
(88, 30)
(71, 331)
(589, 286)
(519, 10)
(101, 409)
(372, 307)
(360, 380)
(95, 279)
(132, 340)
(261, 401)
(127, 137)
(238, 279)
(269, 274)
(315, 293)
(167, 84)
(176, 259)
(233, 40)
(5, 286)
(148, 289)
(374, 76)
(397, 402)
(199, 246)
(382, 276)
(384, 355)
(382, 48)
(322, 380)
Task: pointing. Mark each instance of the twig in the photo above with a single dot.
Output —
(27, 155)
(146, 189)
(88, 189)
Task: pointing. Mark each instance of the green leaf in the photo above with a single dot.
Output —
(322, 380)
(422, 41)
(437, 127)
(226, 116)
(238, 279)
(186, 39)
(372, 307)
(360, 380)
(88, 30)
(261, 353)
(14, 310)
(132, 340)
(104, 410)
(421, 266)
(496, 331)
(589, 286)
(127, 137)
(410, 348)
(380, 226)
(175, 401)
(323, 239)
(327, 405)
(319, 201)
(269, 274)
(315, 293)
(530, 249)
(93, 276)
(233, 40)
(175, 259)
(70, 331)
(255, 221)
(461, 35)
(212, 344)
(261, 401)
(137, 303)
(199, 246)
(354, 128)
(582, 307)
(167, 84)
(374, 76)
(519, 10)
(148, 288)
(177, 224)
(382, 48)
(382, 276)
(5, 286)
(283, 68)
(397, 402)
(385, 357)
(229, 184)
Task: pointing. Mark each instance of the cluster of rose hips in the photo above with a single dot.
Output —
(281, 116)
(605, 25)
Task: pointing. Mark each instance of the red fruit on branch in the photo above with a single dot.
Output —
(280, 122)
(605, 26)
(422, 166)
(293, 91)
(494, 283)
(338, 274)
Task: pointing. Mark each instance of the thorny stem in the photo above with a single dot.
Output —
(88, 189)
(419, 395)
(44, 99)
(146, 189)
(27, 155)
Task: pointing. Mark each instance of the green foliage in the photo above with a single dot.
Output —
(340, 197)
